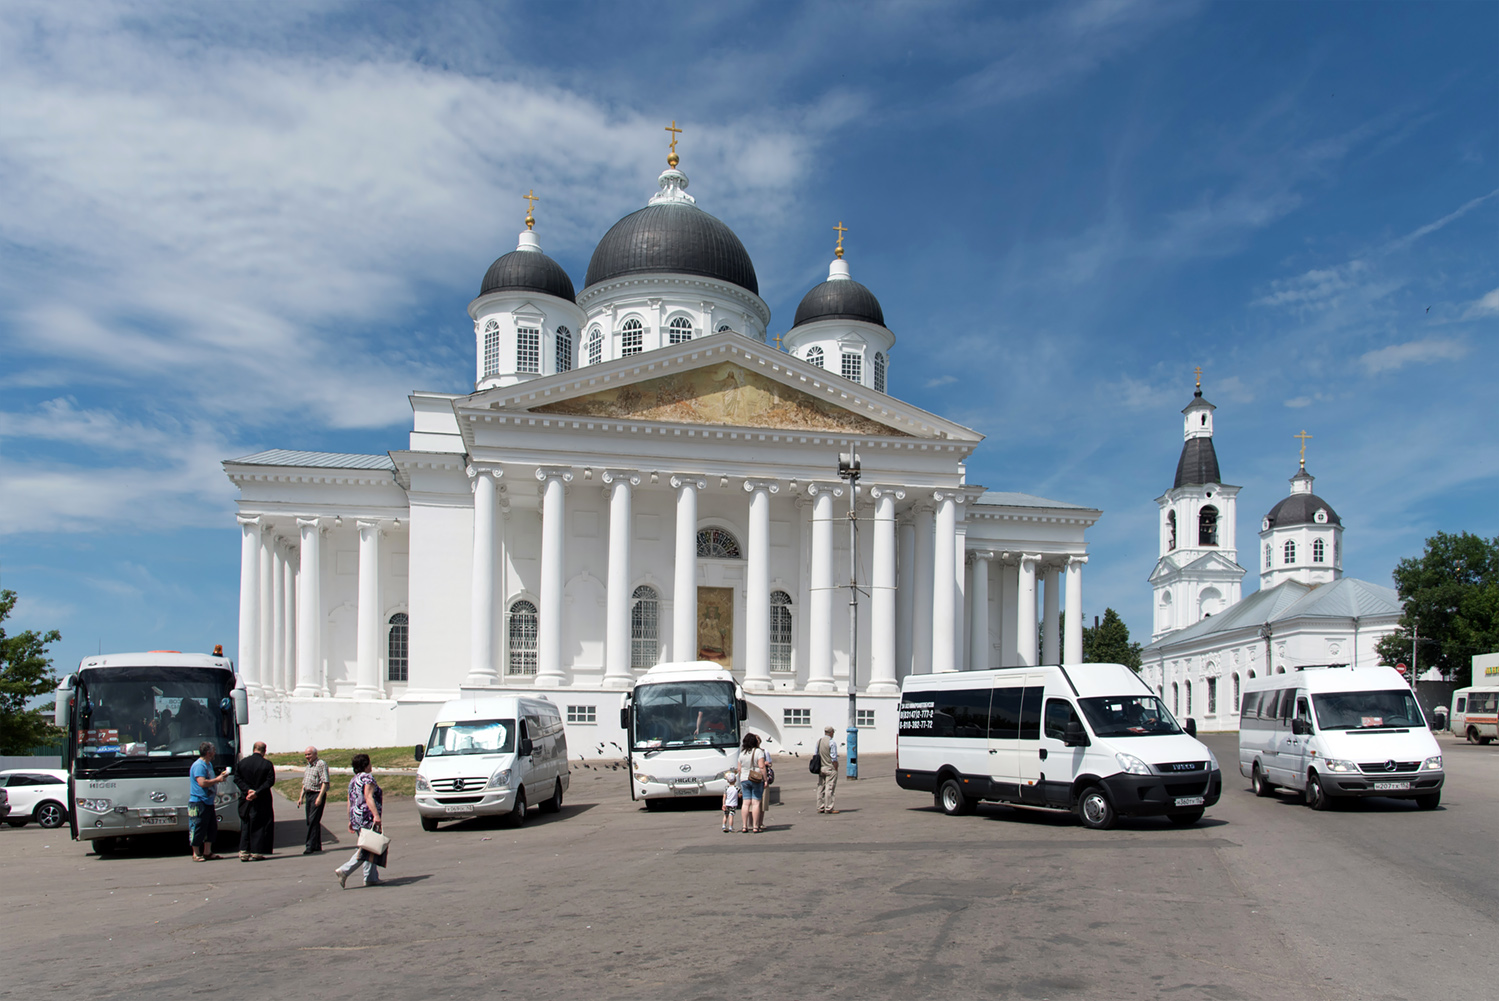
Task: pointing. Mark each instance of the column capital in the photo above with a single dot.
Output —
(563, 473)
(365, 524)
(980, 555)
(698, 481)
(1031, 558)
(248, 521)
(1079, 560)
(817, 487)
(769, 486)
(877, 491)
(630, 476)
(475, 470)
(306, 523)
(958, 496)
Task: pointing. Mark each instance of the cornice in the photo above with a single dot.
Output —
(642, 284)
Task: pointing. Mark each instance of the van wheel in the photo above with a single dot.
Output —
(1316, 796)
(1185, 819)
(429, 823)
(554, 805)
(1472, 734)
(951, 801)
(518, 811)
(1095, 810)
(1430, 801)
(1261, 786)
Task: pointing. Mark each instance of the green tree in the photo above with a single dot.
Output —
(25, 673)
(1451, 592)
(1108, 642)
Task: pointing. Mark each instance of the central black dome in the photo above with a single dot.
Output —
(1300, 509)
(673, 238)
(839, 299)
(527, 271)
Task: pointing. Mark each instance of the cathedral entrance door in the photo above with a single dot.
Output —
(715, 625)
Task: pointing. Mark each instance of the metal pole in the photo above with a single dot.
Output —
(1415, 641)
(850, 471)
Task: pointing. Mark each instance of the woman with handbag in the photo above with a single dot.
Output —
(752, 767)
(365, 799)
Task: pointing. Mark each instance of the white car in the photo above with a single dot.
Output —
(39, 794)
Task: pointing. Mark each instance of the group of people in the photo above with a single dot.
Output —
(257, 814)
(754, 770)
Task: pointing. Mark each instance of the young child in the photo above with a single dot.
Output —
(730, 799)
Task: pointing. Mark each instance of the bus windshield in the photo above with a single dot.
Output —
(473, 736)
(685, 714)
(1129, 716)
(153, 712)
(1367, 710)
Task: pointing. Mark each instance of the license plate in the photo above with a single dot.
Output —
(687, 789)
(460, 808)
(1189, 800)
(149, 821)
(1391, 786)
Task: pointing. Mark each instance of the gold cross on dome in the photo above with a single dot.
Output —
(671, 158)
(838, 251)
(777, 339)
(1303, 436)
(1198, 372)
(530, 199)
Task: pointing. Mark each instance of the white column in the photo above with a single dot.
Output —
(286, 675)
(960, 587)
(276, 656)
(921, 626)
(978, 621)
(905, 595)
(553, 574)
(1051, 647)
(757, 587)
(309, 609)
(267, 542)
(481, 668)
(367, 673)
(820, 612)
(944, 586)
(1026, 632)
(249, 602)
(882, 657)
(684, 585)
(1072, 650)
(619, 484)
(1009, 620)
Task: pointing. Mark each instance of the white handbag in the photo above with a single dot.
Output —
(373, 841)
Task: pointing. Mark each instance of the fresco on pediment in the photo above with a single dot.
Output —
(719, 394)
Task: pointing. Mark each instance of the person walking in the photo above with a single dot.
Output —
(752, 764)
(314, 795)
(365, 800)
(257, 813)
(202, 818)
(827, 775)
(730, 799)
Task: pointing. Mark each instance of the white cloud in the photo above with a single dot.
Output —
(1397, 356)
(1299, 402)
(941, 380)
(1488, 305)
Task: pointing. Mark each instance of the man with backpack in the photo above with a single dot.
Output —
(826, 759)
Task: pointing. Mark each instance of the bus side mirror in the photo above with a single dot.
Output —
(743, 709)
(64, 706)
(418, 752)
(1076, 735)
(1191, 727)
(624, 718)
(241, 705)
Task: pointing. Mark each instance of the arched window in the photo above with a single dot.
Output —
(1188, 687)
(528, 349)
(879, 372)
(522, 634)
(645, 628)
(1170, 531)
(631, 338)
(1207, 526)
(680, 330)
(1267, 556)
(1319, 551)
(491, 348)
(814, 357)
(1238, 700)
(397, 646)
(1290, 552)
(564, 350)
(853, 367)
(780, 631)
(1212, 696)
(595, 346)
(717, 544)
(1176, 706)
(724, 328)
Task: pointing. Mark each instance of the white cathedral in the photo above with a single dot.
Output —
(1207, 641)
(640, 476)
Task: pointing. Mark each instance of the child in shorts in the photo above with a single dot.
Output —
(730, 799)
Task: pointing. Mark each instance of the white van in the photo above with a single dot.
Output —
(1090, 738)
(489, 757)
(1338, 731)
(1475, 714)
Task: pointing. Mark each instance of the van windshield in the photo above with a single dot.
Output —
(1129, 716)
(1367, 710)
(475, 736)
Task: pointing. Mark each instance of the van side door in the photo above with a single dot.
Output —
(1058, 764)
(1004, 737)
(1030, 756)
(1294, 752)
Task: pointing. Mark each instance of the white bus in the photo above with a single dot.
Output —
(683, 723)
(134, 723)
(1475, 713)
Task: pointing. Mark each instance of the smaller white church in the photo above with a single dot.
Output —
(1207, 640)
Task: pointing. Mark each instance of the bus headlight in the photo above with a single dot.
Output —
(1131, 765)
(422, 785)
(500, 779)
(1433, 763)
(94, 805)
(643, 778)
(1336, 765)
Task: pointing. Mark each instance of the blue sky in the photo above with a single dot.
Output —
(232, 227)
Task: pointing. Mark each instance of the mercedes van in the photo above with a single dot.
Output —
(1089, 738)
(1335, 731)
(492, 757)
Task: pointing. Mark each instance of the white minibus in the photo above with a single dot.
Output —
(490, 757)
(1089, 738)
(1338, 731)
(1475, 713)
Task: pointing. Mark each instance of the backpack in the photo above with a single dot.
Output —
(815, 765)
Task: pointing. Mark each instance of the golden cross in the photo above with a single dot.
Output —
(778, 341)
(530, 199)
(1303, 436)
(841, 230)
(1198, 372)
(672, 158)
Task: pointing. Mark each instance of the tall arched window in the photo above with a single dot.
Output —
(1238, 700)
(814, 357)
(1267, 556)
(522, 635)
(645, 628)
(631, 338)
(680, 330)
(780, 631)
(595, 346)
(528, 349)
(1188, 687)
(1319, 551)
(879, 372)
(1212, 696)
(564, 350)
(398, 643)
(1170, 531)
(491, 347)
(1207, 526)
(717, 544)
(1290, 552)
(1176, 706)
(853, 367)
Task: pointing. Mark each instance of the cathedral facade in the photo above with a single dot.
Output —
(642, 476)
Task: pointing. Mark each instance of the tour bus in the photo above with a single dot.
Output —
(134, 723)
(492, 757)
(1089, 738)
(682, 722)
(1338, 731)
(1475, 713)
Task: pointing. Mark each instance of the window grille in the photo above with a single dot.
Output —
(716, 544)
(1290, 552)
(814, 357)
(645, 618)
(680, 330)
(780, 631)
(595, 346)
(491, 348)
(527, 349)
(522, 638)
(564, 350)
(1212, 696)
(1319, 551)
(879, 372)
(864, 717)
(724, 327)
(632, 338)
(1238, 699)
(1176, 706)
(1188, 686)
(397, 664)
(796, 717)
(1267, 556)
(853, 367)
(582, 714)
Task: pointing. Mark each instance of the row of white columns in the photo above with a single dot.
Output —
(1022, 646)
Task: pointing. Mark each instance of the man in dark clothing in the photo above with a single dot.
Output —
(257, 815)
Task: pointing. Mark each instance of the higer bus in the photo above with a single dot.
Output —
(683, 724)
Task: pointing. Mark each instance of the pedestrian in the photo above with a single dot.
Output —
(202, 818)
(257, 813)
(314, 794)
(827, 777)
(752, 763)
(730, 799)
(365, 799)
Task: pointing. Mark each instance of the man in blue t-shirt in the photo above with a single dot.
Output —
(202, 819)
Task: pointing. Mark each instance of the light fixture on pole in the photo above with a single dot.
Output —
(848, 469)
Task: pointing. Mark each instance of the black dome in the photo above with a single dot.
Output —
(1301, 509)
(528, 271)
(839, 299)
(1198, 463)
(674, 238)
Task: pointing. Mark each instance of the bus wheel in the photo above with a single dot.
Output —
(105, 846)
(950, 799)
(652, 805)
(1095, 810)
(1316, 796)
(1257, 779)
(429, 823)
(1472, 734)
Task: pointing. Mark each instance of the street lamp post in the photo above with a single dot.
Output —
(848, 469)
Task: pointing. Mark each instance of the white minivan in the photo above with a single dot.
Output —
(1089, 738)
(491, 757)
(1338, 731)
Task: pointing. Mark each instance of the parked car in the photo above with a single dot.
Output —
(39, 794)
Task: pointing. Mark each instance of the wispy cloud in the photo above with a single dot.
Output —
(1397, 356)
(1488, 305)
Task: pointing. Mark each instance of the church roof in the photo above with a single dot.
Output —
(839, 299)
(1292, 599)
(316, 460)
(1007, 499)
(1300, 509)
(527, 271)
(675, 238)
(1198, 463)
